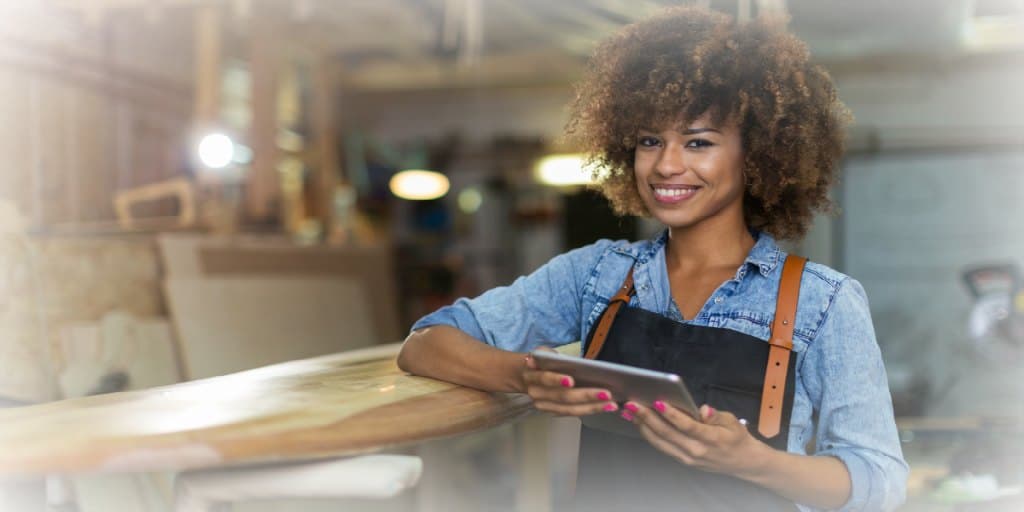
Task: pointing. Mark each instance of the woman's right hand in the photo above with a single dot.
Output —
(555, 393)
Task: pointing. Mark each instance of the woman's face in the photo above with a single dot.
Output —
(688, 174)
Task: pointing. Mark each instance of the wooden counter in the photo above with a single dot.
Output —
(335, 405)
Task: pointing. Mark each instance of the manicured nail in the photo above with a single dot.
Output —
(659, 405)
(566, 382)
(626, 415)
(603, 395)
(632, 407)
(711, 412)
(610, 407)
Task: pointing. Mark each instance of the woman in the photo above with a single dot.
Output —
(725, 133)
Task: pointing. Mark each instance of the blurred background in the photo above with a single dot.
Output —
(188, 182)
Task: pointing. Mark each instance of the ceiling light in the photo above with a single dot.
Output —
(216, 150)
(419, 185)
(562, 170)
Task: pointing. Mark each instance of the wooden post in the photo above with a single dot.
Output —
(208, 65)
(324, 115)
(263, 184)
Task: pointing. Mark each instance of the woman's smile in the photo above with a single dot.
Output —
(672, 194)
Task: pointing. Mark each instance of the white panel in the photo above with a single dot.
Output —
(232, 324)
(912, 223)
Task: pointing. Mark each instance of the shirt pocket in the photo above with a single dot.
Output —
(756, 324)
(751, 323)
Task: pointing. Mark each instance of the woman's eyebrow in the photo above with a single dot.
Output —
(694, 131)
(688, 131)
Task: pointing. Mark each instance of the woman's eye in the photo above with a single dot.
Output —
(648, 142)
(699, 143)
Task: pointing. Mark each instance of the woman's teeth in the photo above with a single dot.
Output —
(674, 193)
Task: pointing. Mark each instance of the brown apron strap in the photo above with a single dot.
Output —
(605, 324)
(769, 423)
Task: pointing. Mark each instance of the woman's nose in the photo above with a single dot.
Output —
(672, 161)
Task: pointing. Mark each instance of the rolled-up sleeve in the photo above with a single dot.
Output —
(542, 308)
(844, 374)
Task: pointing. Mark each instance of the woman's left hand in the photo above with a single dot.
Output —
(717, 442)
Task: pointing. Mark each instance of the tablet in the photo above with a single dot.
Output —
(624, 382)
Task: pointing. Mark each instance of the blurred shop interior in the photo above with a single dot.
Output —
(188, 182)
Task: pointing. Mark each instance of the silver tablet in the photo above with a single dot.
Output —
(624, 382)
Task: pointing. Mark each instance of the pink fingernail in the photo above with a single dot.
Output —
(627, 416)
(632, 407)
(610, 407)
(603, 395)
(711, 412)
(659, 405)
(566, 383)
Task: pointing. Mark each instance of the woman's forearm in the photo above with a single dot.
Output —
(817, 481)
(448, 354)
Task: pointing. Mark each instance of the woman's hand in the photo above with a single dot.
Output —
(555, 393)
(717, 442)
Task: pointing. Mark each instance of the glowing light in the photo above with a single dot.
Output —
(419, 185)
(562, 170)
(216, 150)
(470, 200)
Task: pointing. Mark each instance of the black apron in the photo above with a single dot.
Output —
(721, 367)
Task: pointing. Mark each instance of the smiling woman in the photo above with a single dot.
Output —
(756, 79)
(728, 135)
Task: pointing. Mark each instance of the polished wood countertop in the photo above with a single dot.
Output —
(336, 405)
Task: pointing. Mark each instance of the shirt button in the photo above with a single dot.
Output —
(718, 300)
(643, 287)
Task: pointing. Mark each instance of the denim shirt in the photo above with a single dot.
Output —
(840, 378)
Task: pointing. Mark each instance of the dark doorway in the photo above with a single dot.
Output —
(589, 217)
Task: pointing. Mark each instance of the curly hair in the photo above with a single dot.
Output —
(685, 62)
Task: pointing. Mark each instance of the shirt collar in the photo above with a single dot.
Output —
(642, 252)
(764, 255)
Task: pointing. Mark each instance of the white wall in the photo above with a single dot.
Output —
(941, 190)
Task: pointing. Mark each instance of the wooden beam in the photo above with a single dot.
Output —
(328, 169)
(263, 185)
(208, 48)
(520, 69)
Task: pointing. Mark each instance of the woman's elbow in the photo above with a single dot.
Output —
(403, 359)
(406, 356)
